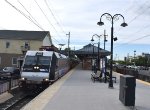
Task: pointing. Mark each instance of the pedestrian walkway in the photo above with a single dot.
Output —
(76, 91)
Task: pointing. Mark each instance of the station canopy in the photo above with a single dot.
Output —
(91, 51)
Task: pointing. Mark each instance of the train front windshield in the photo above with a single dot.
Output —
(37, 63)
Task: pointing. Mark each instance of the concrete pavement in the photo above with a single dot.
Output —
(76, 91)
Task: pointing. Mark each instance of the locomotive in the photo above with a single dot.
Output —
(40, 68)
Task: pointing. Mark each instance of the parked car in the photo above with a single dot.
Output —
(13, 71)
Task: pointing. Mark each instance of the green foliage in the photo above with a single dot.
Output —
(140, 61)
(66, 49)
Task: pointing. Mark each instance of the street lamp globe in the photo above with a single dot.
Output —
(92, 39)
(124, 24)
(100, 23)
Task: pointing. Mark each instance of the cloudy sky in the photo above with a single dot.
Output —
(80, 17)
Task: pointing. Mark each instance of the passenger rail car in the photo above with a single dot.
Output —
(42, 68)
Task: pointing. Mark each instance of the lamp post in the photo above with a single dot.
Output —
(98, 58)
(134, 57)
(100, 23)
(93, 61)
(68, 44)
(134, 54)
(105, 40)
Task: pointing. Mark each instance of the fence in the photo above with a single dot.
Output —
(8, 85)
(139, 74)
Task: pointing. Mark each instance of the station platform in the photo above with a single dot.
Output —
(76, 91)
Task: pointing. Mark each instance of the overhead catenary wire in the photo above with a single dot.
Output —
(47, 18)
(142, 6)
(29, 13)
(133, 40)
(129, 8)
(27, 17)
(45, 15)
(141, 12)
(141, 29)
(54, 16)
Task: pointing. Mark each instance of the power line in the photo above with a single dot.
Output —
(46, 17)
(54, 17)
(133, 40)
(146, 9)
(55, 40)
(129, 8)
(34, 18)
(141, 29)
(29, 13)
(27, 17)
(142, 6)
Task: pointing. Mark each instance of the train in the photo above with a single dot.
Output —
(41, 68)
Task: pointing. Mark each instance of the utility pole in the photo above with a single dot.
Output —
(68, 44)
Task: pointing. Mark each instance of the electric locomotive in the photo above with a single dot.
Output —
(40, 68)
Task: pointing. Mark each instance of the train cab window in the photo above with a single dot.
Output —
(44, 60)
(30, 60)
(37, 60)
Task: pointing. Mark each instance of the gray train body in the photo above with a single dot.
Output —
(42, 68)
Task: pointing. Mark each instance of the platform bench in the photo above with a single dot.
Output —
(96, 76)
(113, 77)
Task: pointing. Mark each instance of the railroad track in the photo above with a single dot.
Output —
(19, 99)
(16, 103)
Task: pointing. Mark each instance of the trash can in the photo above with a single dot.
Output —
(127, 90)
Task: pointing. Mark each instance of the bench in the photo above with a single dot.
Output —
(108, 77)
(96, 76)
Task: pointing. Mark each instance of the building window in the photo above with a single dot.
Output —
(14, 61)
(7, 44)
(27, 45)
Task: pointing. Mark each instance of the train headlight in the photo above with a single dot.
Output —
(23, 79)
(36, 67)
(46, 79)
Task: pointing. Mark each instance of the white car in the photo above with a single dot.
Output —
(11, 71)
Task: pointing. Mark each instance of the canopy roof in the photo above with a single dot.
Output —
(91, 51)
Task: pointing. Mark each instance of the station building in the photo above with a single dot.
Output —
(15, 43)
(89, 54)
